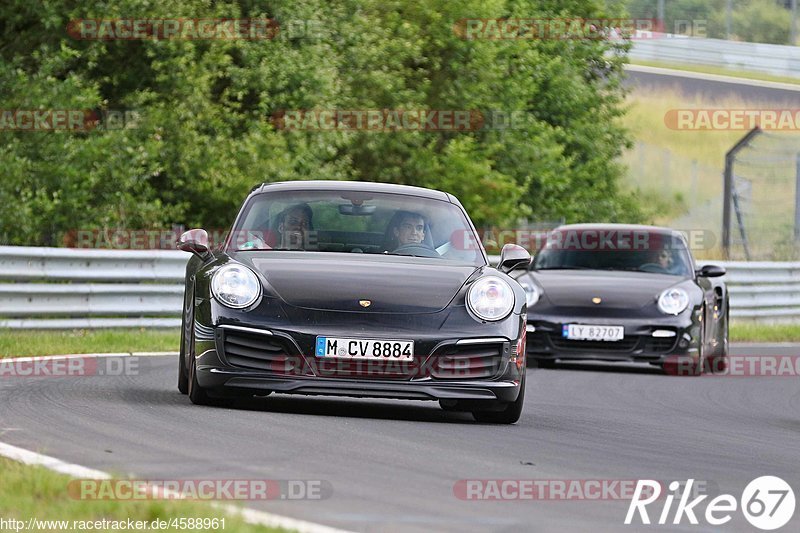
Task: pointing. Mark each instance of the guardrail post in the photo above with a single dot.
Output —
(797, 198)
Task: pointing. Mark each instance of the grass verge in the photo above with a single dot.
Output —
(756, 332)
(704, 69)
(37, 343)
(32, 492)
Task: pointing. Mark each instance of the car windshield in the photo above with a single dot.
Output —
(631, 250)
(356, 222)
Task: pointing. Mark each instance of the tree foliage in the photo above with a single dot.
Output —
(203, 135)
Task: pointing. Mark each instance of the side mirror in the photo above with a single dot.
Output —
(513, 256)
(711, 271)
(194, 241)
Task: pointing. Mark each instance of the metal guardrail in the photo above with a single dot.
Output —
(775, 59)
(57, 288)
(764, 291)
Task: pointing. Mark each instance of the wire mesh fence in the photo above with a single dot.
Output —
(764, 196)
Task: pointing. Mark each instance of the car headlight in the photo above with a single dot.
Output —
(235, 286)
(491, 298)
(532, 293)
(673, 301)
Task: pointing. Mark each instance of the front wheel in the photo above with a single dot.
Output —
(183, 374)
(183, 377)
(510, 412)
(187, 330)
(197, 394)
(718, 360)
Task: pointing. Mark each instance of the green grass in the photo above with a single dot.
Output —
(35, 492)
(33, 343)
(747, 74)
(744, 331)
(36, 343)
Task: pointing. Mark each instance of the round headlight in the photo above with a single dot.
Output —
(531, 293)
(235, 286)
(491, 298)
(673, 301)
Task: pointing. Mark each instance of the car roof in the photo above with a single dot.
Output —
(365, 186)
(619, 227)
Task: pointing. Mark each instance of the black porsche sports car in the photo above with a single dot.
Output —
(353, 289)
(624, 293)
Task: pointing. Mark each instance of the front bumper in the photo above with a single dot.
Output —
(228, 381)
(653, 340)
(236, 360)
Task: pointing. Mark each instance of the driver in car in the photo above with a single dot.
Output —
(663, 260)
(410, 229)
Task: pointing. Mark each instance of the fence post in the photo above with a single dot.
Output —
(727, 193)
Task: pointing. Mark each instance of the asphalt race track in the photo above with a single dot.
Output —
(691, 85)
(393, 465)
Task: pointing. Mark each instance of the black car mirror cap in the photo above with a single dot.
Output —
(194, 241)
(513, 256)
(711, 271)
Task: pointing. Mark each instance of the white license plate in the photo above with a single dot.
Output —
(375, 349)
(584, 332)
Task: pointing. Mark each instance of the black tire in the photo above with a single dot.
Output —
(183, 374)
(197, 394)
(187, 321)
(718, 361)
(678, 366)
(509, 414)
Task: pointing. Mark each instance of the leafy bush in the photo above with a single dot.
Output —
(203, 136)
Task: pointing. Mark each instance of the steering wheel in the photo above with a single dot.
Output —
(419, 250)
(653, 267)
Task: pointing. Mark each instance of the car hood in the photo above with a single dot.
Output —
(576, 288)
(334, 282)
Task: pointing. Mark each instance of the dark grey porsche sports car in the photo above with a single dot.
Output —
(624, 293)
(353, 289)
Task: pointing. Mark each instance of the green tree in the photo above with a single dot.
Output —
(203, 136)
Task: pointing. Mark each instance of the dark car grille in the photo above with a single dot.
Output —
(660, 344)
(365, 368)
(629, 343)
(467, 362)
(257, 351)
(626, 344)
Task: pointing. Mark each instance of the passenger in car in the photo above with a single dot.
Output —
(293, 225)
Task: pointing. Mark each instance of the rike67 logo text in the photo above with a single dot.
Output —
(767, 502)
